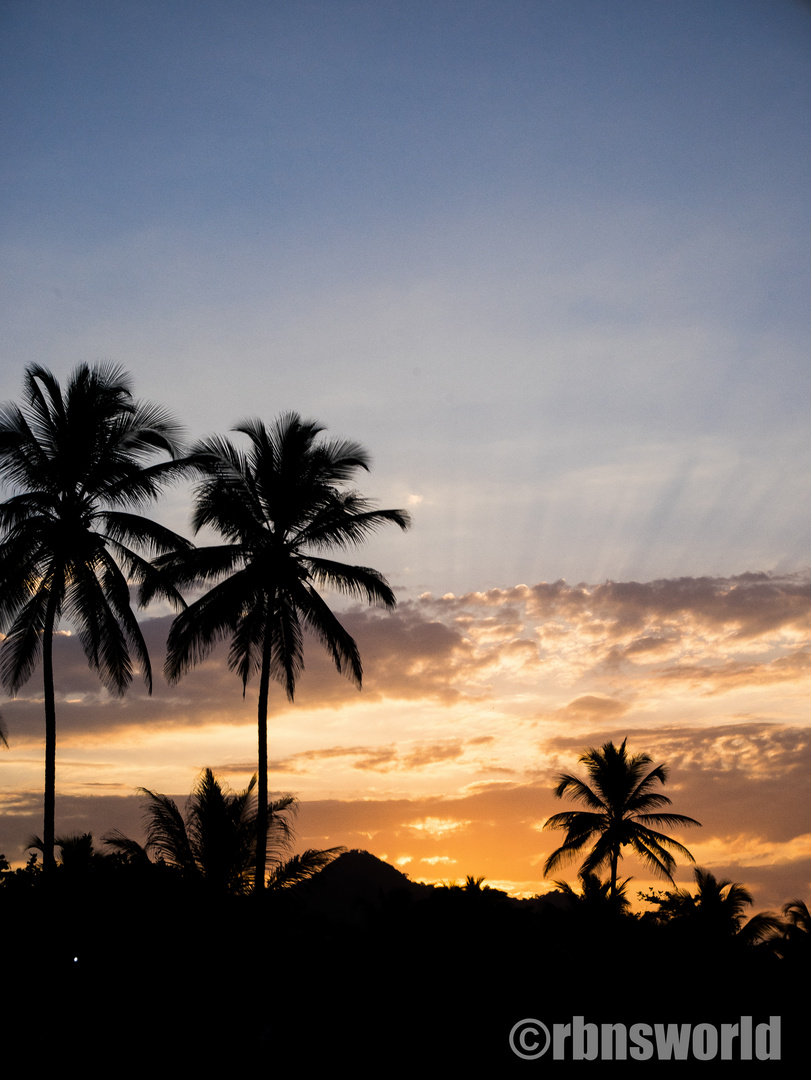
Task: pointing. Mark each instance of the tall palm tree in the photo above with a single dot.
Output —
(279, 505)
(71, 543)
(622, 805)
(216, 842)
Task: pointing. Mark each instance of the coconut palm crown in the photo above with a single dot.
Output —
(280, 503)
(214, 845)
(80, 462)
(719, 907)
(622, 807)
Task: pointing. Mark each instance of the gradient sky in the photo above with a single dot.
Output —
(549, 262)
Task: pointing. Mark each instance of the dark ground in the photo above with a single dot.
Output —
(383, 978)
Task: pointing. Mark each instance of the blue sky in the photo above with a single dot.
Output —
(548, 261)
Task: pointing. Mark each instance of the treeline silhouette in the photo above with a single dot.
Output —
(360, 964)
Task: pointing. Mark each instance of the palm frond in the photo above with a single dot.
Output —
(654, 854)
(24, 461)
(116, 840)
(302, 867)
(247, 642)
(280, 835)
(286, 647)
(761, 927)
(166, 831)
(22, 646)
(204, 623)
(581, 827)
(116, 589)
(128, 530)
(578, 791)
(340, 524)
(359, 582)
(341, 646)
(196, 566)
(601, 855)
(796, 911)
(100, 633)
(667, 819)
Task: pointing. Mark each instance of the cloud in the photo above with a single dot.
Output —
(437, 828)
(706, 635)
(721, 632)
(710, 678)
(592, 707)
(738, 608)
(378, 758)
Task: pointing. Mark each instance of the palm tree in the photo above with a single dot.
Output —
(595, 894)
(717, 910)
(216, 842)
(798, 916)
(721, 909)
(796, 932)
(278, 505)
(720, 905)
(622, 807)
(79, 461)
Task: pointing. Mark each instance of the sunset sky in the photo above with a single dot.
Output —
(549, 262)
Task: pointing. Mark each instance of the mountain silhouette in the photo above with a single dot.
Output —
(356, 885)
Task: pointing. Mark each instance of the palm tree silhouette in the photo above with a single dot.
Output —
(717, 910)
(719, 905)
(595, 894)
(622, 807)
(71, 541)
(278, 505)
(721, 909)
(796, 931)
(216, 842)
(798, 916)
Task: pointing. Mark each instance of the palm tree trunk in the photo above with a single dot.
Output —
(48, 826)
(262, 811)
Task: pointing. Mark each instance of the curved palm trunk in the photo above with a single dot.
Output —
(50, 737)
(262, 811)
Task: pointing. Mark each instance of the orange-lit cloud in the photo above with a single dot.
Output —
(471, 706)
